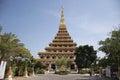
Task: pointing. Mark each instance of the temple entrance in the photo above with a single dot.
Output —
(72, 66)
(53, 66)
(47, 66)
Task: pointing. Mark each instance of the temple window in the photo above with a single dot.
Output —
(42, 57)
(48, 57)
(71, 51)
(60, 45)
(53, 57)
(65, 50)
(71, 57)
(65, 46)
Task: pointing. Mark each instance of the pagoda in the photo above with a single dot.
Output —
(61, 47)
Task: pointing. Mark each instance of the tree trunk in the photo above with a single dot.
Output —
(79, 70)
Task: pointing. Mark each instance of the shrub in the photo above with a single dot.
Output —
(41, 71)
(62, 72)
(85, 71)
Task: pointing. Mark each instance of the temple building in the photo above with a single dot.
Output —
(61, 47)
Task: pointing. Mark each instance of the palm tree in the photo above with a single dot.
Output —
(10, 47)
(8, 42)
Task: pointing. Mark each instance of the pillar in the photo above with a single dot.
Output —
(26, 72)
(100, 71)
(49, 67)
(56, 68)
(33, 73)
(9, 73)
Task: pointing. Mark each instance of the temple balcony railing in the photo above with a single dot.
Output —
(62, 34)
(53, 53)
(62, 37)
(52, 60)
(60, 48)
(57, 56)
(63, 43)
(63, 40)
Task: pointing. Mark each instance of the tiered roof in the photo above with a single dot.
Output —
(62, 42)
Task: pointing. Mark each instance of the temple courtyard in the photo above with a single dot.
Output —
(60, 77)
(55, 77)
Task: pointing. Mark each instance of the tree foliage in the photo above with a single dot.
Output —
(85, 56)
(61, 62)
(13, 51)
(103, 62)
(111, 47)
(10, 45)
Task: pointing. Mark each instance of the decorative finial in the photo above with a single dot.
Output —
(62, 7)
(62, 21)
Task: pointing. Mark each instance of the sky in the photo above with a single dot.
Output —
(36, 22)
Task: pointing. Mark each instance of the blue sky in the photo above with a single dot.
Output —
(36, 22)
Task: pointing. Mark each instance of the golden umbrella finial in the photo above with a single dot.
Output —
(62, 7)
(62, 21)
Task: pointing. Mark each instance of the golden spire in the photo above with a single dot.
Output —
(62, 21)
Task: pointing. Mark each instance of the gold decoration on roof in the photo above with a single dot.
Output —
(62, 20)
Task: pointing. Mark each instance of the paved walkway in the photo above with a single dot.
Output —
(55, 77)
(62, 77)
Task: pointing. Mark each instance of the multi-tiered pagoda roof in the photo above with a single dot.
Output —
(62, 45)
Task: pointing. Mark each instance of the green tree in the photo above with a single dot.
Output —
(39, 67)
(0, 28)
(63, 63)
(103, 62)
(111, 47)
(85, 56)
(10, 45)
(11, 48)
(19, 62)
(8, 42)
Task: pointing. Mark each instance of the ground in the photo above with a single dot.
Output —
(55, 77)
(61, 77)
